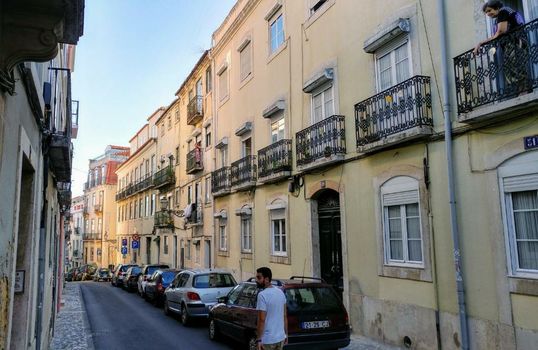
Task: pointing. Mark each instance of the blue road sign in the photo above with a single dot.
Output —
(124, 241)
(124, 250)
(135, 244)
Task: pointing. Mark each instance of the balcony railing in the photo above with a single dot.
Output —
(164, 177)
(220, 181)
(244, 172)
(401, 107)
(97, 208)
(91, 236)
(163, 219)
(194, 161)
(502, 69)
(195, 110)
(324, 139)
(145, 183)
(275, 160)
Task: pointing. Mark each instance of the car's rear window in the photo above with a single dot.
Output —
(214, 280)
(168, 276)
(124, 268)
(312, 299)
(135, 270)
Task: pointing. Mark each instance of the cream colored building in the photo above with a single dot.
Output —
(342, 106)
(195, 141)
(100, 235)
(75, 244)
(135, 197)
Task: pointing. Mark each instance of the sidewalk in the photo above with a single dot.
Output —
(362, 343)
(72, 331)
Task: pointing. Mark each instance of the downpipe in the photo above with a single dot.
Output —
(460, 286)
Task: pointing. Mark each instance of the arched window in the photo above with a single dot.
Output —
(402, 227)
(518, 181)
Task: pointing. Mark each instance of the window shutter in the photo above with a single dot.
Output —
(400, 198)
(520, 183)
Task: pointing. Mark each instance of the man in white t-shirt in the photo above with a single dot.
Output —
(272, 314)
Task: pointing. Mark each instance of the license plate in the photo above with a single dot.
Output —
(316, 324)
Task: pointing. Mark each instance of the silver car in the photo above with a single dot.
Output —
(194, 292)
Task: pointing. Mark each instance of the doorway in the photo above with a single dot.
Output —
(207, 254)
(148, 249)
(330, 239)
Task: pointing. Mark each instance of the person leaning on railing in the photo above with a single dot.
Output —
(514, 50)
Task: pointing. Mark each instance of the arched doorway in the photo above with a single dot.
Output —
(330, 238)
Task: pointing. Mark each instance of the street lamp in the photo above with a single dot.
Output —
(164, 207)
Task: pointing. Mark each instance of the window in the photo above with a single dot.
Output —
(147, 167)
(208, 78)
(152, 204)
(176, 197)
(223, 156)
(140, 212)
(93, 225)
(208, 190)
(197, 253)
(152, 163)
(207, 130)
(278, 130)
(315, 5)
(162, 129)
(223, 239)
(519, 191)
(136, 175)
(189, 194)
(188, 253)
(147, 206)
(177, 155)
(169, 122)
(278, 232)
(322, 103)
(99, 225)
(177, 114)
(402, 228)
(135, 209)
(276, 32)
(245, 61)
(246, 234)
(165, 245)
(246, 147)
(393, 64)
(223, 84)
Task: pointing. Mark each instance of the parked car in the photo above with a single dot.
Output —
(147, 271)
(193, 292)
(87, 272)
(119, 274)
(77, 274)
(70, 274)
(317, 318)
(157, 284)
(130, 281)
(102, 274)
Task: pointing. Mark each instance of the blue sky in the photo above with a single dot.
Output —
(132, 58)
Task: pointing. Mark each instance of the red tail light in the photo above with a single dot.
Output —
(193, 296)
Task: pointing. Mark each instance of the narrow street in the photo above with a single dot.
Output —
(121, 320)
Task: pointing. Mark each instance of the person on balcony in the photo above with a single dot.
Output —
(198, 153)
(514, 55)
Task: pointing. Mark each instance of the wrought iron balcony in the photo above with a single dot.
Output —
(220, 181)
(145, 183)
(163, 218)
(195, 161)
(244, 173)
(97, 208)
(195, 111)
(164, 177)
(275, 161)
(500, 77)
(322, 143)
(92, 236)
(396, 115)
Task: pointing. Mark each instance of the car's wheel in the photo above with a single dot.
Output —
(185, 318)
(252, 345)
(166, 309)
(213, 330)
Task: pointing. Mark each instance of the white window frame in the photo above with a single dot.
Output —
(400, 184)
(280, 216)
(273, 21)
(246, 233)
(207, 191)
(322, 90)
(165, 245)
(277, 122)
(389, 48)
(223, 236)
(525, 166)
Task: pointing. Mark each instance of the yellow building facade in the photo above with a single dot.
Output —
(330, 161)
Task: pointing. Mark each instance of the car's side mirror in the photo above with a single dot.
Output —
(222, 300)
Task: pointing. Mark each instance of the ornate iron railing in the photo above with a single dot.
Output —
(243, 171)
(164, 177)
(501, 69)
(323, 139)
(275, 158)
(89, 236)
(194, 161)
(146, 182)
(194, 109)
(163, 218)
(401, 107)
(220, 180)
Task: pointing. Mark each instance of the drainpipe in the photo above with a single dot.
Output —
(460, 287)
